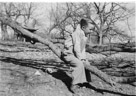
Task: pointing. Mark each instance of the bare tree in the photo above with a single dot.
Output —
(107, 19)
(104, 16)
(28, 11)
(15, 11)
(59, 17)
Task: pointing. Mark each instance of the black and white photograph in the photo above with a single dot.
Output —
(72, 48)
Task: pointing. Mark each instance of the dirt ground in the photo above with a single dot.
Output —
(19, 63)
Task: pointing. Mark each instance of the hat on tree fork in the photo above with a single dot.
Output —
(30, 25)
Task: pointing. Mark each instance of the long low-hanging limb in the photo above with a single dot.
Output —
(54, 48)
(108, 79)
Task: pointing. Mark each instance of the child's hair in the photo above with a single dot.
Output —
(83, 23)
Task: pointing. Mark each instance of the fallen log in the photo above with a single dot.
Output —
(54, 48)
(118, 47)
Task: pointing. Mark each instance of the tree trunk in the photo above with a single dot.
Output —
(100, 39)
(93, 39)
(54, 48)
(1, 33)
(4, 31)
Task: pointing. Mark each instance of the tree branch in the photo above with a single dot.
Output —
(55, 49)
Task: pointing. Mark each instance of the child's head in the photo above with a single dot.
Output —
(86, 26)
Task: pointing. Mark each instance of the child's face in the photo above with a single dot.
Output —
(88, 29)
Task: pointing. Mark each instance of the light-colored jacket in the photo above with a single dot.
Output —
(76, 43)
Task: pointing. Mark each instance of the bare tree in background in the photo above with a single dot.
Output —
(104, 16)
(29, 9)
(59, 17)
(15, 11)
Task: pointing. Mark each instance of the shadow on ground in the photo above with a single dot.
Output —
(60, 74)
(42, 65)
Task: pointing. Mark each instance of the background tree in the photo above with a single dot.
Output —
(19, 12)
(104, 16)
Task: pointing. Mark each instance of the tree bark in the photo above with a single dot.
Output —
(118, 47)
(54, 48)
(1, 33)
(100, 39)
(60, 41)
(4, 31)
